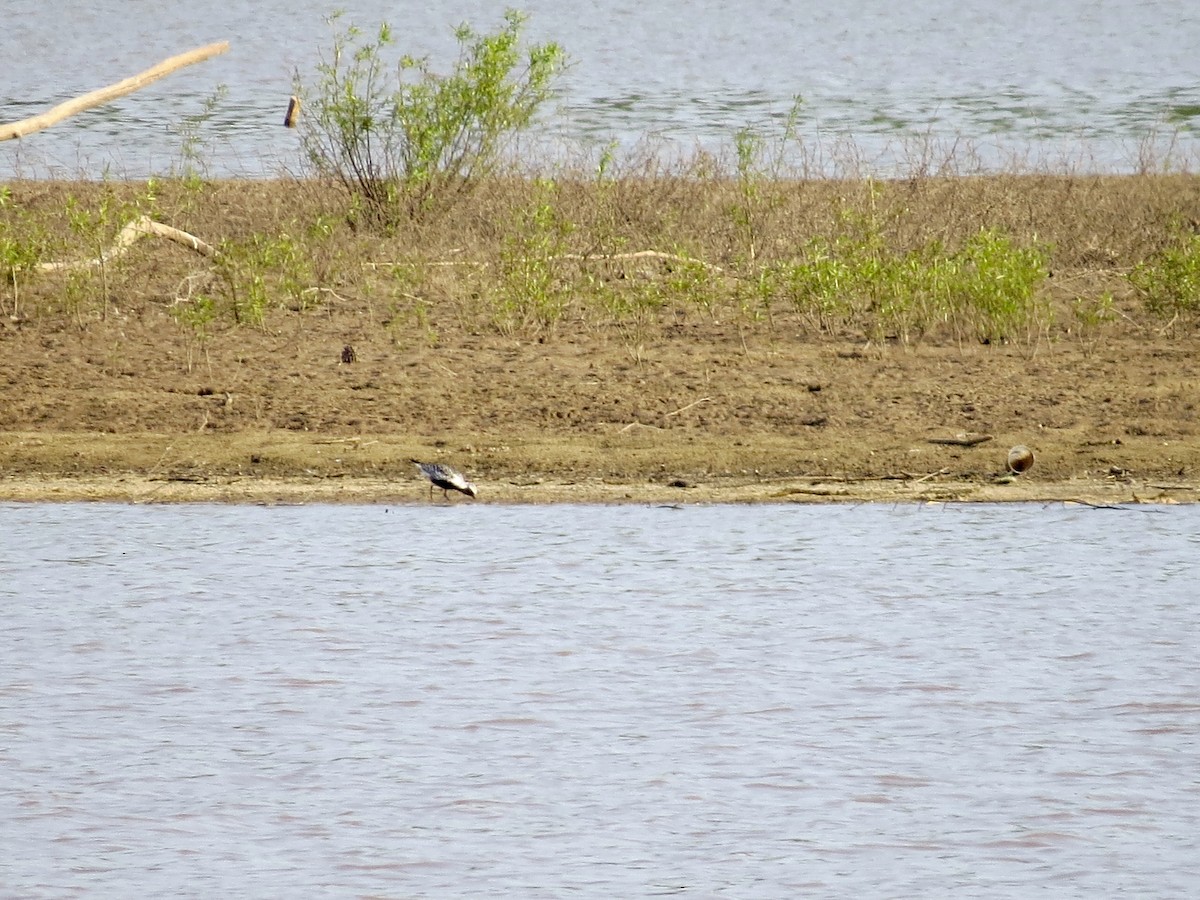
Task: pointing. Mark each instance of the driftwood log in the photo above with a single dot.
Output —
(112, 92)
(142, 225)
(962, 440)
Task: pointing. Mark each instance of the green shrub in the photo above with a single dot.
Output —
(1169, 281)
(193, 140)
(254, 272)
(824, 285)
(411, 142)
(759, 159)
(533, 293)
(994, 286)
(988, 288)
(22, 247)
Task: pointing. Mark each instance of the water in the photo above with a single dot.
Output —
(1098, 86)
(768, 701)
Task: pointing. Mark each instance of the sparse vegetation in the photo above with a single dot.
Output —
(194, 137)
(934, 260)
(22, 245)
(532, 291)
(1169, 279)
(630, 244)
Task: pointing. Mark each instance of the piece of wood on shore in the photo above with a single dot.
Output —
(113, 91)
(142, 225)
(962, 440)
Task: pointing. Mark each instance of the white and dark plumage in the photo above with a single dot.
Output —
(446, 478)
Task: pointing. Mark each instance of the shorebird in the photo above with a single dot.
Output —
(446, 478)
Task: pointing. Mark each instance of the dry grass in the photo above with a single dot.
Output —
(516, 338)
(301, 240)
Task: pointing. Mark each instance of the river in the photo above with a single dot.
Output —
(1067, 85)
(594, 701)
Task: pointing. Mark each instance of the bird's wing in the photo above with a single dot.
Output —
(429, 470)
(453, 477)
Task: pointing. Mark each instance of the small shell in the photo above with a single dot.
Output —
(1020, 459)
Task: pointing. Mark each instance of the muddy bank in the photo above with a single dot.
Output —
(265, 467)
(113, 388)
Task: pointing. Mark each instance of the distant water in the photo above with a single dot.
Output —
(1098, 86)
(476, 700)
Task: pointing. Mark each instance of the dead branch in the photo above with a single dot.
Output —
(962, 440)
(191, 281)
(689, 406)
(112, 92)
(142, 225)
(939, 472)
(356, 441)
(1090, 505)
(640, 254)
(812, 491)
(581, 257)
(324, 290)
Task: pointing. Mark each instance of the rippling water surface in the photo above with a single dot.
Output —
(1053, 82)
(768, 701)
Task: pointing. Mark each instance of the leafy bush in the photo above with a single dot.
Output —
(412, 142)
(995, 284)
(823, 285)
(759, 161)
(1169, 281)
(22, 247)
(532, 293)
(987, 288)
(252, 276)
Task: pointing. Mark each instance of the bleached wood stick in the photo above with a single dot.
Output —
(685, 408)
(640, 254)
(140, 226)
(962, 440)
(582, 257)
(113, 91)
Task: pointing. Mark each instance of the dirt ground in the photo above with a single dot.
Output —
(699, 415)
(330, 403)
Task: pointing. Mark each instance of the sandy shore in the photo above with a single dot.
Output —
(712, 396)
(645, 466)
(130, 488)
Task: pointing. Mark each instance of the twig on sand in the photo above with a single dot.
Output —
(686, 408)
(942, 471)
(961, 440)
(640, 254)
(356, 441)
(1091, 505)
(814, 491)
(324, 290)
(673, 412)
(580, 257)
